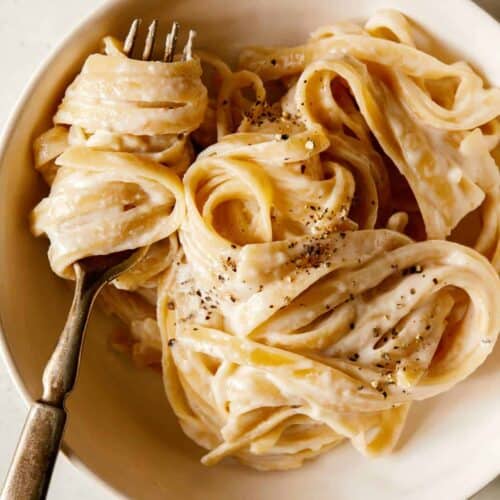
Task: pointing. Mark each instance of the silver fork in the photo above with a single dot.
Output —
(31, 469)
(170, 41)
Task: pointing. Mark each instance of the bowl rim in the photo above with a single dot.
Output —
(6, 132)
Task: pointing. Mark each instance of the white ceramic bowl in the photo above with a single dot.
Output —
(120, 426)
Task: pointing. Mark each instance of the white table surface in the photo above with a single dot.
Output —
(28, 31)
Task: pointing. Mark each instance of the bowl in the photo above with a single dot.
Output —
(120, 426)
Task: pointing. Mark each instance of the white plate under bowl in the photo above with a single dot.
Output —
(120, 426)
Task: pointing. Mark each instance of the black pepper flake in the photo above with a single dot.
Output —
(233, 299)
(435, 281)
(354, 357)
(428, 327)
(412, 270)
(170, 306)
(384, 393)
(412, 291)
(233, 246)
(273, 62)
(342, 235)
(230, 263)
(284, 137)
(302, 169)
(171, 342)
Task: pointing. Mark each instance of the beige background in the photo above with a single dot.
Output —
(29, 29)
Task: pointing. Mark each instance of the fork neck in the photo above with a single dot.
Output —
(60, 373)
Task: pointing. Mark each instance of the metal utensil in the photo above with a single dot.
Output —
(36, 452)
(170, 41)
(31, 469)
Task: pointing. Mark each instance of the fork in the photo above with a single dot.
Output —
(170, 41)
(38, 446)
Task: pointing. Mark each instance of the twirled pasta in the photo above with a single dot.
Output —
(420, 110)
(285, 291)
(125, 105)
(126, 96)
(103, 202)
(119, 105)
(366, 320)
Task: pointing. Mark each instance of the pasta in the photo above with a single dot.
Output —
(328, 257)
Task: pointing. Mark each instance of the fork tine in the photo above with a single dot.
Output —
(150, 41)
(129, 43)
(171, 42)
(168, 47)
(187, 53)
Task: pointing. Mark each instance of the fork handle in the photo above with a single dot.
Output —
(31, 469)
(29, 475)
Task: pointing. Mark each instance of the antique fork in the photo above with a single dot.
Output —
(31, 469)
(170, 41)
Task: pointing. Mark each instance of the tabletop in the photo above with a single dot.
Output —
(29, 29)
